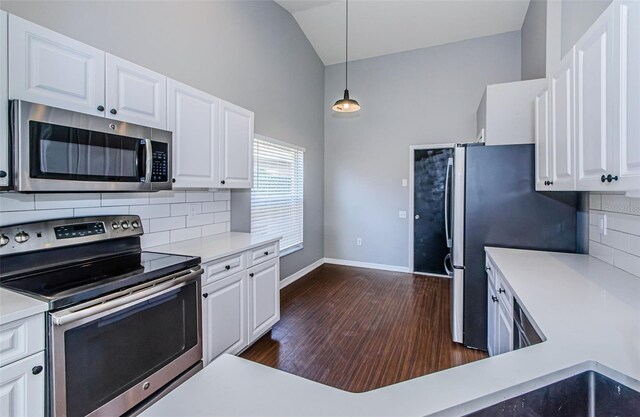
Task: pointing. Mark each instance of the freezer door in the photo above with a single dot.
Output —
(458, 197)
(457, 301)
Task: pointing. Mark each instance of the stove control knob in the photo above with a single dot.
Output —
(125, 225)
(115, 226)
(21, 237)
(3, 240)
(135, 224)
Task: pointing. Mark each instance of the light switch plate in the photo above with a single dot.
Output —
(404, 182)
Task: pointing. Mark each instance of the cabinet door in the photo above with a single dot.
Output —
(49, 68)
(264, 297)
(4, 102)
(235, 149)
(543, 150)
(224, 324)
(22, 391)
(504, 338)
(193, 119)
(492, 321)
(628, 18)
(135, 94)
(595, 111)
(562, 126)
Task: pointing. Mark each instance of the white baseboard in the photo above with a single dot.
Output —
(383, 267)
(304, 271)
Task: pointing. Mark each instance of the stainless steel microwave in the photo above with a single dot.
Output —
(57, 150)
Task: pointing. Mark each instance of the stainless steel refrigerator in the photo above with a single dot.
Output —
(491, 201)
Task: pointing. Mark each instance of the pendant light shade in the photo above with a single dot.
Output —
(346, 104)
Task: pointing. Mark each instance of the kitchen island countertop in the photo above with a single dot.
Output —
(588, 311)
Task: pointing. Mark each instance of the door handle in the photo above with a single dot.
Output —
(417, 217)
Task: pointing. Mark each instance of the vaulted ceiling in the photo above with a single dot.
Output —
(381, 27)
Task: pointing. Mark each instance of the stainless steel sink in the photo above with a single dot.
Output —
(588, 394)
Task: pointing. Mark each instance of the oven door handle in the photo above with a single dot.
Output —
(166, 284)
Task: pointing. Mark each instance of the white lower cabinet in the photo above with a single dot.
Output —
(239, 306)
(500, 316)
(22, 387)
(224, 311)
(264, 298)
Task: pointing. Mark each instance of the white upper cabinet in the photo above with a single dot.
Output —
(49, 68)
(543, 150)
(628, 147)
(595, 105)
(4, 102)
(193, 119)
(561, 125)
(135, 94)
(235, 147)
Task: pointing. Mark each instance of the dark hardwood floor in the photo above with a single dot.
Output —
(360, 329)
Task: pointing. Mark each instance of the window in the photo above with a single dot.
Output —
(277, 193)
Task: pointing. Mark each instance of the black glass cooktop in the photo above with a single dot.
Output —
(72, 284)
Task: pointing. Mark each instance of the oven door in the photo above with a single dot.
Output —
(59, 150)
(110, 354)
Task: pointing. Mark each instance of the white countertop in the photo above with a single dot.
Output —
(588, 311)
(214, 247)
(14, 306)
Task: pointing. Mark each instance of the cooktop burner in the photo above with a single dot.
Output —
(66, 270)
(69, 285)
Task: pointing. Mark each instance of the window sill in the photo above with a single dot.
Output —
(291, 250)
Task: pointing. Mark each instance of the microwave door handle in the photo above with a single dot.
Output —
(148, 170)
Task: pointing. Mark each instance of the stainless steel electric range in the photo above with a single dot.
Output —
(124, 325)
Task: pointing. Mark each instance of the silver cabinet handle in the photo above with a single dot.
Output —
(417, 217)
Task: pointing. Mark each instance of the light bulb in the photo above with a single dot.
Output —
(346, 105)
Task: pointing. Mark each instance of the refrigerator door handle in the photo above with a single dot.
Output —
(447, 198)
(447, 262)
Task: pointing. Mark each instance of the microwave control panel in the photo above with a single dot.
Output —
(160, 169)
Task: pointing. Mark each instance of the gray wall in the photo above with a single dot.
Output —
(424, 96)
(251, 53)
(534, 41)
(577, 16)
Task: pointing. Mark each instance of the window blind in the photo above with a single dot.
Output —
(277, 193)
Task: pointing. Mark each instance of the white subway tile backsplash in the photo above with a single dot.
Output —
(15, 217)
(167, 197)
(185, 234)
(595, 201)
(620, 247)
(167, 216)
(223, 216)
(200, 219)
(17, 201)
(222, 195)
(151, 211)
(214, 206)
(167, 223)
(124, 199)
(100, 211)
(199, 196)
(214, 229)
(627, 262)
(70, 200)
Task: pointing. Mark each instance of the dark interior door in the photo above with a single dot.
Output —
(430, 241)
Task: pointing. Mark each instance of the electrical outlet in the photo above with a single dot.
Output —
(602, 224)
(194, 209)
(404, 182)
(359, 241)
(402, 214)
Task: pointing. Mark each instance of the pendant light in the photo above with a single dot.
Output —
(346, 104)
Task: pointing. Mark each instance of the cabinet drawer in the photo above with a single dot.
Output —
(263, 253)
(504, 293)
(21, 338)
(224, 267)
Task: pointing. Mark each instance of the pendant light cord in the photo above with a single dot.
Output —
(346, 47)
